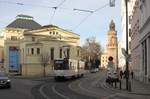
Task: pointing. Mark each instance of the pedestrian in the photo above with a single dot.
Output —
(121, 74)
(132, 74)
(126, 74)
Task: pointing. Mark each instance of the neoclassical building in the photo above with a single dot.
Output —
(111, 47)
(26, 41)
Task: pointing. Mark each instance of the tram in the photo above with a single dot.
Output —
(68, 68)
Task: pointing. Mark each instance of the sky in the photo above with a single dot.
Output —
(95, 25)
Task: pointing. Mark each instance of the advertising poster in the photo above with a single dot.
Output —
(13, 59)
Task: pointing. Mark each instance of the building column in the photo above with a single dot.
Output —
(141, 73)
(6, 58)
(148, 58)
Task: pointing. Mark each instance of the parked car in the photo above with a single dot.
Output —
(4, 80)
(112, 76)
(94, 70)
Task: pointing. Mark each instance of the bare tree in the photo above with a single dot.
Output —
(45, 57)
(91, 50)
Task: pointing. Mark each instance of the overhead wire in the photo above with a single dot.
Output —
(83, 20)
(55, 9)
(36, 5)
(61, 3)
(24, 4)
(43, 6)
(91, 13)
(101, 7)
(83, 10)
(53, 15)
(58, 6)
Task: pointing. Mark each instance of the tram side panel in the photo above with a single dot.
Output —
(72, 68)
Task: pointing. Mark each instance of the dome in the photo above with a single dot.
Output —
(24, 22)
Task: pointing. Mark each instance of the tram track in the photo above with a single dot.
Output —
(89, 87)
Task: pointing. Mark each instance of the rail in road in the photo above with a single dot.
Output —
(88, 87)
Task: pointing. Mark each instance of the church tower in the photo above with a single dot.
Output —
(112, 45)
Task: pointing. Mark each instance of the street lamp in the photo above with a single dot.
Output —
(127, 64)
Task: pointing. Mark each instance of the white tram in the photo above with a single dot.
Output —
(68, 68)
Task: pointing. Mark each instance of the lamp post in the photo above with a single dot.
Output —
(127, 64)
(112, 4)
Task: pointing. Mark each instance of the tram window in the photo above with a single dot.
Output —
(61, 65)
(58, 65)
(70, 65)
(66, 64)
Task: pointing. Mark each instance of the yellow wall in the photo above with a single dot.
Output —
(104, 60)
(45, 39)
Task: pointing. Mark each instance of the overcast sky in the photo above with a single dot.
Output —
(96, 25)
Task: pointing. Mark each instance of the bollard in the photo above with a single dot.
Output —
(129, 87)
(115, 84)
(111, 83)
(120, 84)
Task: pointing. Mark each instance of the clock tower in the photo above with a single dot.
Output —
(112, 43)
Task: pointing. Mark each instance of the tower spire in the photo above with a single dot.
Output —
(112, 26)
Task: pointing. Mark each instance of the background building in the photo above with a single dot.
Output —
(26, 41)
(112, 46)
(104, 60)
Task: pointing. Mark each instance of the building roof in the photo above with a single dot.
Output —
(60, 28)
(52, 26)
(24, 22)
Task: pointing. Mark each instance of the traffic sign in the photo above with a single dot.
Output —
(127, 56)
(124, 52)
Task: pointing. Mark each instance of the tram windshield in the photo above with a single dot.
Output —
(61, 65)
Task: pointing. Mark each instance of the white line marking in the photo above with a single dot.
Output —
(70, 86)
(42, 93)
(61, 95)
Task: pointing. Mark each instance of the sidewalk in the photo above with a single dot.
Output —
(137, 87)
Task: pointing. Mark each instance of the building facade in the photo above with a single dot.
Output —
(26, 41)
(135, 36)
(104, 60)
(144, 29)
(121, 58)
(139, 20)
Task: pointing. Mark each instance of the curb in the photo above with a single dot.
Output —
(31, 77)
(123, 91)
